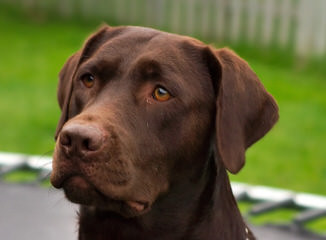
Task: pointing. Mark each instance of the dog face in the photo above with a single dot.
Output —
(143, 110)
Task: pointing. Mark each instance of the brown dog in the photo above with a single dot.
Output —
(150, 122)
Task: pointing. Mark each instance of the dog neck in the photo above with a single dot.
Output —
(218, 216)
(207, 210)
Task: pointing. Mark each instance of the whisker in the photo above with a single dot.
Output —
(39, 161)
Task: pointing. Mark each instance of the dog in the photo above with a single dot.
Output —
(151, 122)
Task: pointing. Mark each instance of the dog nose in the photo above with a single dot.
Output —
(78, 138)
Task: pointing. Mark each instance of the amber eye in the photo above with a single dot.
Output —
(88, 80)
(161, 94)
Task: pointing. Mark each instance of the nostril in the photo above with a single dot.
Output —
(65, 140)
(86, 144)
(90, 144)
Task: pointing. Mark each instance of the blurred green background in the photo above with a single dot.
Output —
(37, 39)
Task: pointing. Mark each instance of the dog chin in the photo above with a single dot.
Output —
(80, 191)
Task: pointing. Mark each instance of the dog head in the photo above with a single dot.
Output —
(143, 111)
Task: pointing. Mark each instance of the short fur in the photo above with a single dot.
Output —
(145, 169)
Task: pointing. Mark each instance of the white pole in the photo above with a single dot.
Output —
(205, 11)
(304, 25)
(285, 22)
(175, 15)
(220, 19)
(252, 9)
(236, 6)
(320, 41)
(191, 17)
(268, 22)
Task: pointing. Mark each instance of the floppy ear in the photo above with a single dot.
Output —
(66, 74)
(245, 110)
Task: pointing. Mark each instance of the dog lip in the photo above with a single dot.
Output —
(81, 179)
(59, 179)
(138, 206)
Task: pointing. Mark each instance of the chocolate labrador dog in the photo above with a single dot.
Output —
(150, 124)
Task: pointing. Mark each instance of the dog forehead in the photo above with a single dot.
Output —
(140, 44)
(145, 35)
(133, 40)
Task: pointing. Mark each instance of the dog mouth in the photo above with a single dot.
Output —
(137, 205)
(79, 190)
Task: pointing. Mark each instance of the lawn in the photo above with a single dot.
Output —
(291, 156)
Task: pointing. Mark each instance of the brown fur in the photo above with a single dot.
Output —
(144, 169)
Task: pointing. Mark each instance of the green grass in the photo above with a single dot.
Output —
(32, 54)
(292, 155)
(280, 216)
(23, 175)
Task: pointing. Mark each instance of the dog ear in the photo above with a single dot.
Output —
(67, 73)
(245, 110)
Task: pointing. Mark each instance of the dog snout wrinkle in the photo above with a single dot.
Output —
(81, 139)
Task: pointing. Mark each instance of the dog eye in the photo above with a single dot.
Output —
(161, 94)
(88, 80)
